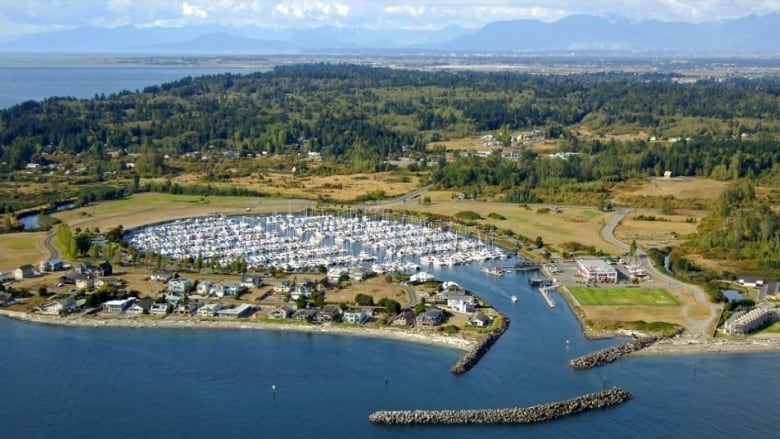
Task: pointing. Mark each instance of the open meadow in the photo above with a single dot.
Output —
(569, 224)
(673, 193)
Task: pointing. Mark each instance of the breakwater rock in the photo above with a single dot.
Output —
(472, 356)
(610, 354)
(519, 415)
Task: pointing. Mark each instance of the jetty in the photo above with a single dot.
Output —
(610, 354)
(519, 415)
(472, 357)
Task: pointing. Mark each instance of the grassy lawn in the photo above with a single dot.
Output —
(771, 329)
(21, 248)
(623, 296)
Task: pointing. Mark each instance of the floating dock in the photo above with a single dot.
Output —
(546, 295)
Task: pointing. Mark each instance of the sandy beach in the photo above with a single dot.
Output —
(427, 337)
(693, 345)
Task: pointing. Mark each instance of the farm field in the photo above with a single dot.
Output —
(21, 248)
(647, 296)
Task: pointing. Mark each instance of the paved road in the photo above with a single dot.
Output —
(400, 200)
(54, 252)
(695, 325)
(411, 294)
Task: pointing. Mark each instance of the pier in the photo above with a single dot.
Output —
(538, 413)
(546, 294)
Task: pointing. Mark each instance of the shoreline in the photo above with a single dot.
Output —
(699, 345)
(405, 335)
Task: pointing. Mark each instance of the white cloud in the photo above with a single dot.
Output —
(189, 10)
(303, 9)
(415, 11)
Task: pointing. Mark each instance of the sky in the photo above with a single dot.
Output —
(19, 17)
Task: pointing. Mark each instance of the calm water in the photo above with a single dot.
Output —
(197, 383)
(29, 77)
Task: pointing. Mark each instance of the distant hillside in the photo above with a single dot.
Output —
(578, 32)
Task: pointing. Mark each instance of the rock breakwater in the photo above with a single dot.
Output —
(473, 355)
(520, 415)
(610, 354)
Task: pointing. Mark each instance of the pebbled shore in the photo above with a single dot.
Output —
(415, 336)
(518, 415)
(613, 353)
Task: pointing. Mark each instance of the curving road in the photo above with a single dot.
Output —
(48, 242)
(400, 200)
(695, 325)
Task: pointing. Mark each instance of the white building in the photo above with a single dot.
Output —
(354, 316)
(461, 303)
(119, 305)
(597, 270)
(209, 309)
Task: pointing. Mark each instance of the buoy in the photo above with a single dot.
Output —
(273, 388)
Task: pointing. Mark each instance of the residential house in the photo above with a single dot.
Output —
(230, 289)
(460, 302)
(251, 280)
(111, 281)
(24, 272)
(209, 309)
(336, 273)
(479, 320)
(180, 285)
(302, 290)
(82, 268)
(104, 268)
(405, 318)
(355, 316)
(281, 313)
(421, 277)
(204, 287)
(282, 287)
(187, 309)
(140, 306)
(305, 314)
(430, 317)
(358, 274)
(58, 307)
(160, 308)
(329, 313)
(119, 305)
(6, 299)
(84, 281)
(241, 311)
(161, 276)
(50, 265)
(217, 290)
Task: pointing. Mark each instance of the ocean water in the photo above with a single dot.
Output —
(36, 77)
(126, 383)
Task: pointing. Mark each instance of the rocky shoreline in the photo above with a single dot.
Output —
(613, 353)
(518, 415)
(472, 356)
(415, 336)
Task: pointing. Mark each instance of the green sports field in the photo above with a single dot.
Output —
(623, 296)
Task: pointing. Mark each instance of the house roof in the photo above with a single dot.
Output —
(459, 297)
(771, 288)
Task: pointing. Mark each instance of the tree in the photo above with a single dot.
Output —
(420, 308)
(391, 306)
(632, 248)
(539, 242)
(364, 300)
(83, 242)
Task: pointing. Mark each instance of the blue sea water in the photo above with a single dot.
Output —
(126, 383)
(37, 77)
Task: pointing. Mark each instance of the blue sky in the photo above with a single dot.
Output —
(27, 16)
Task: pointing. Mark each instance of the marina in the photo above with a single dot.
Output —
(295, 243)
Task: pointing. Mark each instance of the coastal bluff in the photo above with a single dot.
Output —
(613, 353)
(520, 415)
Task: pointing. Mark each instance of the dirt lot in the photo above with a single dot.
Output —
(375, 287)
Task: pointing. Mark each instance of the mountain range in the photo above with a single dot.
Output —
(753, 34)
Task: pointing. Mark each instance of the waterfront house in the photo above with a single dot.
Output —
(118, 305)
(430, 317)
(140, 307)
(161, 276)
(25, 271)
(58, 307)
(281, 313)
(241, 311)
(50, 265)
(329, 313)
(355, 316)
(160, 308)
(251, 280)
(479, 320)
(209, 309)
(422, 277)
(6, 299)
(179, 285)
(305, 314)
(405, 318)
(187, 309)
(744, 323)
(460, 302)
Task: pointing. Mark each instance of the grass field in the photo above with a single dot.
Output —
(580, 224)
(647, 296)
(771, 329)
(21, 248)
